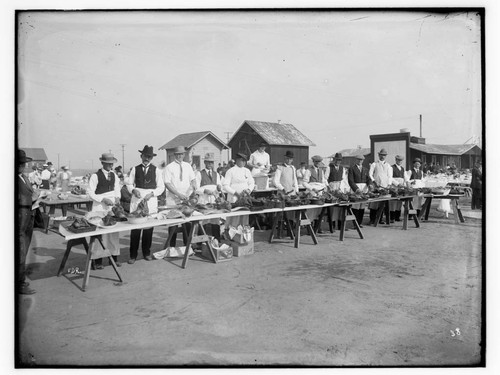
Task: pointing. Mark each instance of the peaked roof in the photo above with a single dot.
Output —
(351, 152)
(443, 149)
(37, 154)
(189, 139)
(278, 134)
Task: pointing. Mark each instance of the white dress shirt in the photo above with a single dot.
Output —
(180, 180)
(98, 198)
(381, 173)
(236, 180)
(152, 203)
(261, 158)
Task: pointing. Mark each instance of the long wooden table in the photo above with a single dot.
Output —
(196, 219)
(457, 212)
(52, 202)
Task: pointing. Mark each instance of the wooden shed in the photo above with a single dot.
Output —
(278, 137)
(197, 146)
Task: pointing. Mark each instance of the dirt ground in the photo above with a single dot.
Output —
(396, 298)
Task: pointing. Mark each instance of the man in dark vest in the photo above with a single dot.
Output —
(146, 184)
(476, 185)
(359, 179)
(416, 179)
(337, 180)
(398, 178)
(26, 216)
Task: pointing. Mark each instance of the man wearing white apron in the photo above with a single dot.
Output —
(237, 180)
(359, 180)
(337, 180)
(104, 190)
(180, 182)
(146, 184)
(380, 175)
(315, 180)
(260, 161)
(398, 178)
(208, 187)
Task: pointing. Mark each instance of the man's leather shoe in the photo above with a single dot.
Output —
(26, 290)
(118, 264)
(131, 261)
(99, 267)
(148, 257)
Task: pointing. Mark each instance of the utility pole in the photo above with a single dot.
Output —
(227, 138)
(420, 126)
(58, 166)
(123, 155)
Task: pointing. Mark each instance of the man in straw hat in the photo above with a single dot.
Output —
(26, 196)
(146, 184)
(380, 175)
(104, 190)
(180, 182)
(359, 180)
(398, 178)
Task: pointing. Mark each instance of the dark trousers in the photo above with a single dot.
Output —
(477, 198)
(175, 229)
(26, 220)
(358, 214)
(147, 239)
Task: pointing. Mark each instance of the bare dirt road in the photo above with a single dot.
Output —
(396, 298)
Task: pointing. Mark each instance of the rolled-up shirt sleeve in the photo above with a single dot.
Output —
(227, 182)
(160, 185)
(277, 178)
(131, 181)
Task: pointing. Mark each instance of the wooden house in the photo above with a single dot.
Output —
(197, 145)
(279, 138)
(464, 156)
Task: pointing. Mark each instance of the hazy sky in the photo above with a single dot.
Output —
(90, 81)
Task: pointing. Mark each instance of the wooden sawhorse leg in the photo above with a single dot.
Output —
(347, 215)
(88, 264)
(192, 238)
(382, 208)
(426, 208)
(71, 243)
(301, 219)
(410, 211)
(457, 212)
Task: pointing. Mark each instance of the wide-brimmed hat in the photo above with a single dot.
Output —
(179, 150)
(45, 166)
(240, 155)
(399, 157)
(262, 144)
(417, 160)
(317, 158)
(209, 157)
(382, 152)
(49, 163)
(360, 157)
(64, 167)
(22, 158)
(148, 151)
(289, 154)
(338, 155)
(108, 158)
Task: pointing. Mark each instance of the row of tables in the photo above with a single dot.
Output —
(299, 221)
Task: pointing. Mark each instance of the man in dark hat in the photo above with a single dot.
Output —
(146, 184)
(104, 190)
(416, 178)
(26, 197)
(398, 178)
(285, 178)
(180, 181)
(260, 161)
(337, 180)
(359, 180)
